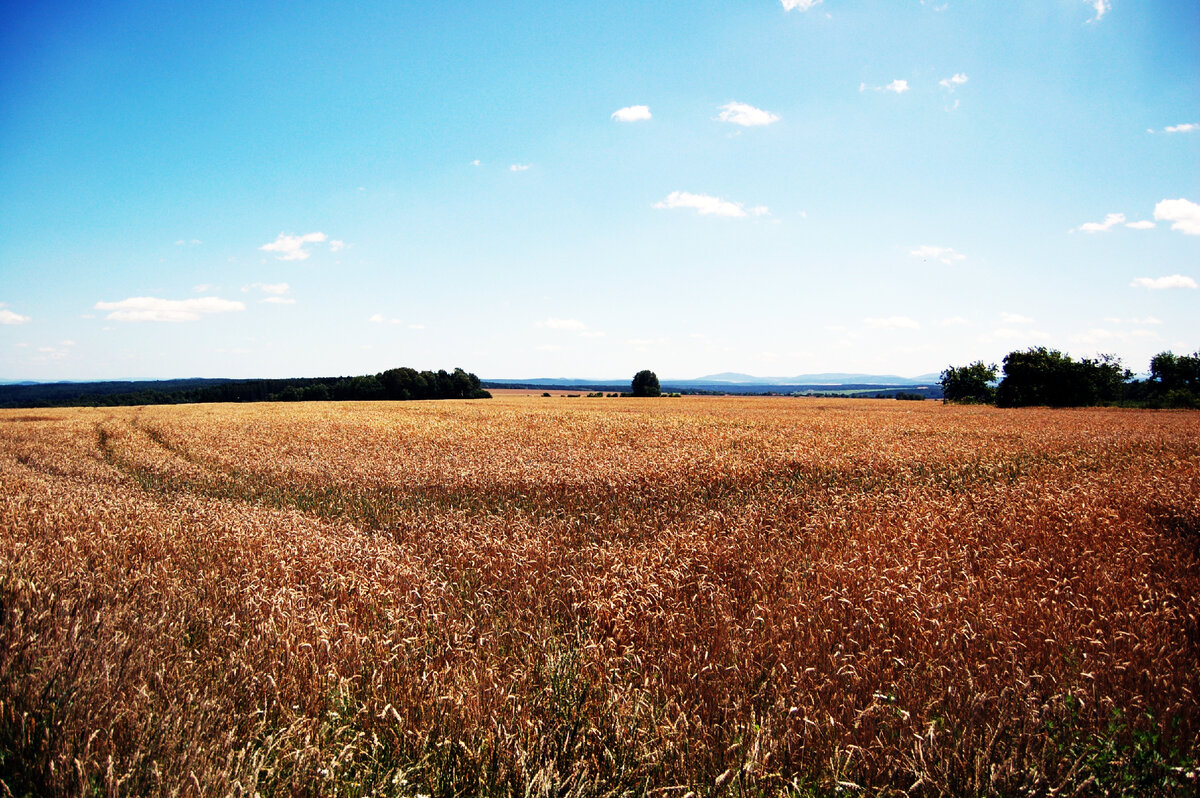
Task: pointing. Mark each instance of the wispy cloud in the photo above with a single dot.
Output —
(745, 115)
(291, 247)
(9, 317)
(1101, 7)
(706, 205)
(1015, 318)
(892, 323)
(945, 254)
(563, 324)
(954, 321)
(194, 242)
(898, 86)
(1184, 215)
(632, 113)
(269, 288)
(520, 167)
(1144, 224)
(1186, 128)
(799, 5)
(278, 300)
(336, 245)
(953, 81)
(1162, 283)
(379, 318)
(146, 308)
(1111, 220)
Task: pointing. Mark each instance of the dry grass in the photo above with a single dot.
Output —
(601, 596)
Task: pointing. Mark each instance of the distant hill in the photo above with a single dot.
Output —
(826, 378)
(732, 383)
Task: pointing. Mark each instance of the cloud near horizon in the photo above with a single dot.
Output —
(892, 323)
(707, 205)
(147, 308)
(563, 324)
(632, 113)
(9, 317)
(1162, 283)
(945, 254)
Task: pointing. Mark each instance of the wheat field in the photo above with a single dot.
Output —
(577, 597)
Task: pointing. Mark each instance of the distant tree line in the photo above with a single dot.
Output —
(1041, 376)
(399, 384)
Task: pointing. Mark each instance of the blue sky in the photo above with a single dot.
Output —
(584, 190)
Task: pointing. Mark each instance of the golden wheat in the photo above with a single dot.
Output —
(588, 597)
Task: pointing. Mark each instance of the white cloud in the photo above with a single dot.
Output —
(379, 318)
(520, 167)
(954, 321)
(475, 162)
(194, 242)
(269, 288)
(1188, 128)
(292, 247)
(1161, 283)
(563, 324)
(1015, 318)
(706, 205)
(892, 323)
(336, 246)
(1101, 7)
(632, 113)
(644, 344)
(278, 300)
(1010, 335)
(898, 86)
(745, 115)
(8, 317)
(146, 308)
(803, 5)
(954, 81)
(1183, 214)
(1144, 224)
(1098, 336)
(1111, 220)
(945, 254)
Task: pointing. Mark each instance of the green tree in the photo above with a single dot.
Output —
(645, 383)
(1175, 380)
(969, 384)
(1041, 376)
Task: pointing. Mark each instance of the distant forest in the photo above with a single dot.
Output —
(398, 384)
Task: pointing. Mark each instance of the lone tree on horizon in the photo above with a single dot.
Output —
(645, 383)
